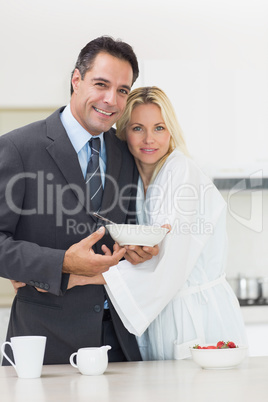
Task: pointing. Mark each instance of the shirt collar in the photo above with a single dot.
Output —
(77, 134)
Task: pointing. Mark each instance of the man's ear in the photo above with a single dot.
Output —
(76, 78)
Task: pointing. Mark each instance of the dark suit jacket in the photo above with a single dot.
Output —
(44, 209)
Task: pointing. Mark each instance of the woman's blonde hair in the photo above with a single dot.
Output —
(147, 95)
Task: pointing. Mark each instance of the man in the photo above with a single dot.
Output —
(46, 206)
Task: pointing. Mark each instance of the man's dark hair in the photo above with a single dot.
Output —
(105, 44)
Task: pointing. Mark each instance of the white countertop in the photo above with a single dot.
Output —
(141, 382)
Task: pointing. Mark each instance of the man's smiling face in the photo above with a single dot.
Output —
(99, 99)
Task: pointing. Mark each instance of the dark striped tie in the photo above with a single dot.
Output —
(93, 176)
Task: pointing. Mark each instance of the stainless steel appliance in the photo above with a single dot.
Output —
(250, 291)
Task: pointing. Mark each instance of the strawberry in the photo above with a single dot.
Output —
(220, 344)
(231, 345)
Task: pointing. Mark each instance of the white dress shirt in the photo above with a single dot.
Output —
(79, 138)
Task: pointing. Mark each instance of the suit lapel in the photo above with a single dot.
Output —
(65, 157)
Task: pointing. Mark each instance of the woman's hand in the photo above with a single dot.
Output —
(137, 254)
(167, 226)
(79, 280)
(134, 254)
(74, 280)
(17, 284)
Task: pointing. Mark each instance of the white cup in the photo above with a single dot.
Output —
(28, 354)
(91, 361)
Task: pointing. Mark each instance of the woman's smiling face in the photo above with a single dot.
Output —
(147, 135)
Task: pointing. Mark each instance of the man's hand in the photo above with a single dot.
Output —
(80, 259)
(85, 267)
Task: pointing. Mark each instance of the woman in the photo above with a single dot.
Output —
(180, 297)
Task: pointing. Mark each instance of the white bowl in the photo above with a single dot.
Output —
(219, 358)
(136, 235)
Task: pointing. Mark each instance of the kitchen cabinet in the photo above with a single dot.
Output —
(6, 297)
(256, 322)
(7, 293)
(12, 118)
(4, 318)
(257, 339)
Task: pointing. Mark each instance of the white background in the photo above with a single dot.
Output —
(210, 56)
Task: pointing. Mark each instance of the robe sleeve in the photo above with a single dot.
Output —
(186, 199)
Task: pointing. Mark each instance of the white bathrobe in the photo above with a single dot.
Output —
(180, 297)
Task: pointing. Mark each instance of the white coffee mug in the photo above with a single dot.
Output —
(28, 354)
(91, 361)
